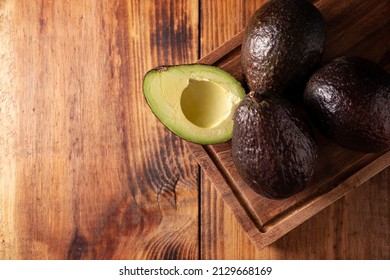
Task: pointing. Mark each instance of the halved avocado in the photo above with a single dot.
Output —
(195, 101)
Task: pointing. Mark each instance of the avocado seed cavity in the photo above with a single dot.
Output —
(205, 103)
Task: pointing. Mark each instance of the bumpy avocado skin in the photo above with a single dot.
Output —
(283, 41)
(273, 148)
(348, 99)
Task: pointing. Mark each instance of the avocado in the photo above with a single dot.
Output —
(348, 100)
(283, 41)
(195, 101)
(273, 147)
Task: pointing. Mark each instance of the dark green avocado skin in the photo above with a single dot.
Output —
(348, 100)
(283, 41)
(272, 146)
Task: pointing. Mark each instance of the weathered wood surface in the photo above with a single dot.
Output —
(87, 172)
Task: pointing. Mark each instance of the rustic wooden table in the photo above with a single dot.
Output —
(86, 170)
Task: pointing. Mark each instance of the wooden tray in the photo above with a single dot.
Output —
(338, 172)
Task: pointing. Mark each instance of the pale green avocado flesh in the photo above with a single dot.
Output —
(195, 101)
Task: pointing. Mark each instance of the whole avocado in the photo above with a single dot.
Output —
(273, 148)
(283, 41)
(348, 99)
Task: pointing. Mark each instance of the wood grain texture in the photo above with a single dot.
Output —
(86, 171)
(221, 20)
(214, 243)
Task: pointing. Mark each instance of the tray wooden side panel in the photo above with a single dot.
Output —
(339, 170)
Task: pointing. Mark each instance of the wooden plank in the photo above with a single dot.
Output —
(86, 171)
(352, 161)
